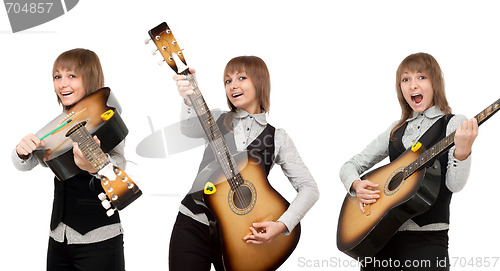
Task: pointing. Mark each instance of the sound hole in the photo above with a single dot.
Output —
(395, 182)
(242, 199)
(76, 127)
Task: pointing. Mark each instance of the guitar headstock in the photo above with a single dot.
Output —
(119, 189)
(168, 47)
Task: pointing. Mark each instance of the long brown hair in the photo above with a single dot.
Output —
(421, 62)
(86, 64)
(257, 71)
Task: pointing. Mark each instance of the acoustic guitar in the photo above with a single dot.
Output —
(235, 187)
(90, 116)
(404, 193)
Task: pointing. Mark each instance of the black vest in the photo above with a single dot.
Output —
(261, 149)
(439, 212)
(76, 204)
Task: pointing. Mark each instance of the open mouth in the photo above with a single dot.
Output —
(417, 98)
(66, 94)
(236, 95)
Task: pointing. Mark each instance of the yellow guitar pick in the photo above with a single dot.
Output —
(107, 115)
(416, 146)
(209, 188)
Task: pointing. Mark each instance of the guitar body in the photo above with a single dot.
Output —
(363, 235)
(88, 110)
(235, 215)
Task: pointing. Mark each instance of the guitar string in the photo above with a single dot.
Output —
(228, 165)
(215, 134)
(226, 161)
(449, 140)
(92, 151)
(442, 145)
(89, 148)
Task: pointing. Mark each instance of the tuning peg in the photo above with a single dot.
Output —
(153, 52)
(161, 62)
(102, 196)
(110, 212)
(106, 204)
(146, 41)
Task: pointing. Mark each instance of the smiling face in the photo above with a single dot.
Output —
(68, 86)
(252, 73)
(241, 92)
(417, 90)
(76, 73)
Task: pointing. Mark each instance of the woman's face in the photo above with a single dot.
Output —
(240, 90)
(417, 90)
(68, 86)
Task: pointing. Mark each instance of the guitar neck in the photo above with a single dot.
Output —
(89, 147)
(202, 111)
(446, 143)
(213, 133)
(172, 54)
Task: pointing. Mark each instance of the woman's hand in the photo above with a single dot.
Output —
(464, 138)
(183, 86)
(27, 145)
(366, 192)
(81, 161)
(264, 232)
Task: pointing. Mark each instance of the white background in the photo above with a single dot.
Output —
(332, 66)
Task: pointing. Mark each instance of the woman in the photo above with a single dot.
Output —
(82, 236)
(247, 86)
(421, 95)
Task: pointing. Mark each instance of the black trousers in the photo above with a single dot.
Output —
(107, 255)
(412, 250)
(193, 246)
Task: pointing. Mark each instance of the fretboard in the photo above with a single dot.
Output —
(446, 143)
(89, 147)
(214, 135)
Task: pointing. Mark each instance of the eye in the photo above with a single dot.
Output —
(242, 78)
(72, 76)
(57, 77)
(227, 81)
(422, 77)
(404, 80)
